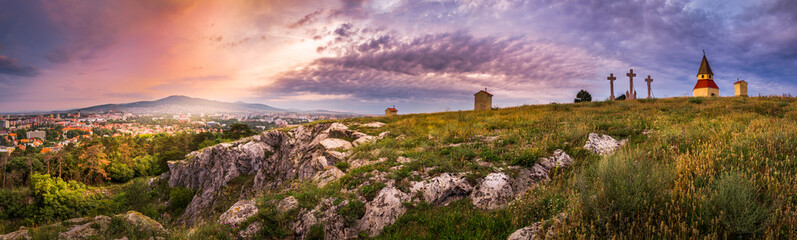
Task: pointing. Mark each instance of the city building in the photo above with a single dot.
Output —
(37, 134)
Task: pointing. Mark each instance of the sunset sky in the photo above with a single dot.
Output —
(363, 56)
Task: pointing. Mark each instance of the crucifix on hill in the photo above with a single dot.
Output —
(631, 93)
(611, 79)
(649, 80)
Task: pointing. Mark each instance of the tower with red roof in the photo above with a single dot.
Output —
(705, 86)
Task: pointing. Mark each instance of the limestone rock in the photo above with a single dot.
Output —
(364, 139)
(326, 213)
(334, 157)
(335, 143)
(22, 233)
(142, 222)
(331, 174)
(442, 189)
(287, 204)
(494, 191)
(373, 124)
(602, 144)
(274, 157)
(383, 210)
(86, 229)
(250, 231)
(239, 212)
(527, 233)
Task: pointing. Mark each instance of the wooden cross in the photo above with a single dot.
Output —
(611, 79)
(649, 80)
(631, 76)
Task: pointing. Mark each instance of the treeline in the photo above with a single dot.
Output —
(110, 159)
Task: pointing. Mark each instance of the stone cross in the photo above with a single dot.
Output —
(649, 80)
(611, 79)
(631, 76)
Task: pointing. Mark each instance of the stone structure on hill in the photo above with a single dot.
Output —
(740, 88)
(705, 86)
(483, 101)
(631, 93)
(391, 111)
(611, 79)
(649, 80)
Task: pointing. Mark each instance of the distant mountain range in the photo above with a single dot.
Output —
(185, 104)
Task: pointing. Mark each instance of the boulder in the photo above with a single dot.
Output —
(442, 189)
(383, 210)
(335, 143)
(86, 228)
(142, 222)
(331, 174)
(527, 233)
(22, 233)
(494, 191)
(334, 157)
(602, 144)
(250, 231)
(326, 213)
(363, 140)
(239, 212)
(287, 204)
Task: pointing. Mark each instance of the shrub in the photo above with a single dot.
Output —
(627, 188)
(526, 158)
(179, 198)
(316, 232)
(343, 166)
(352, 211)
(696, 100)
(538, 204)
(143, 165)
(370, 191)
(119, 172)
(734, 200)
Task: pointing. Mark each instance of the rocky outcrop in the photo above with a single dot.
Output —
(142, 223)
(326, 214)
(239, 212)
(383, 210)
(287, 204)
(493, 191)
(527, 233)
(90, 228)
(603, 144)
(274, 157)
(327, 176)
(20, 234)
(442, 189)
(373, 124)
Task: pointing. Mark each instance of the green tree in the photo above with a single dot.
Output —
(583, 96)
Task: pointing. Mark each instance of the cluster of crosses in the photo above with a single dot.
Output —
(631, 93)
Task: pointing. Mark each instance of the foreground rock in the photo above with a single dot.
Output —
(443, 189)
(20, 234)
(274, 157)
(326, 214)
(383, 210)
(239, 212)
(526, 233)
(493, 191)
(603, 144)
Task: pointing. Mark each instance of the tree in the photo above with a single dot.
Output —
(621, 97)
(95, 161)
(583, 96)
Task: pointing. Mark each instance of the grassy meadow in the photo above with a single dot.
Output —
(693, 168)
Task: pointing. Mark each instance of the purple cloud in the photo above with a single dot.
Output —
(11, 66)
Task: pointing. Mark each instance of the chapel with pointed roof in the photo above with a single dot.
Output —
(705, 86)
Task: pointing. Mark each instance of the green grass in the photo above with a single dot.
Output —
(458, 220)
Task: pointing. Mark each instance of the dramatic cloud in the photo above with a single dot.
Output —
(437, 66)
(12, 67)
(361, 55)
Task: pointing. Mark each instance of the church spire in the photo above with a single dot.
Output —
(704, 67)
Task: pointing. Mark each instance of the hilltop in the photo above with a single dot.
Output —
(185, 104)
(658, 168)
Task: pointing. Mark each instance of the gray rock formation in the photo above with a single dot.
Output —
(325, 213)
(527, 233)
(327, 176)
(602, 144)
(442, 189)
(239, 212)
(383, 210)
(274, 157)
(20, 234)
(494, 191)
(373, 124)
(87, 229)
(287, 204)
